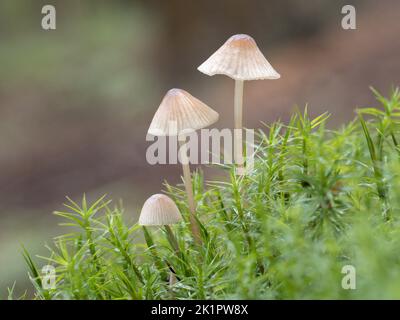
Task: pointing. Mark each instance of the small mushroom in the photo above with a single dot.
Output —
(160, 210)
(178, 115)
(240, 59)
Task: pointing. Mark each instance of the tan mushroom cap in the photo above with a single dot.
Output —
(241, 59)
(159, 210)
(181, 113)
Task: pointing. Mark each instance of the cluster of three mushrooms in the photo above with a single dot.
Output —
(180, 114)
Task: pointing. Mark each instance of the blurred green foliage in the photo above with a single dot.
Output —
(95, 51)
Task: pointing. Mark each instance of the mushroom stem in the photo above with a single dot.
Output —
(172, 282)
(189, 190)
(172, 238)
(172, 278)
(238, 115)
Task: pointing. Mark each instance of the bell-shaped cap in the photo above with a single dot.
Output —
(159, 210)
(241, 59)
(181, 113)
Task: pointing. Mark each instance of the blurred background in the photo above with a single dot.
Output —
(76, 102)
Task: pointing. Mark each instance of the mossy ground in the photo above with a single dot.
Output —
(317, 200)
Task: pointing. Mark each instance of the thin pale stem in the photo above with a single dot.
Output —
(172, 282)
(238, 116)
(172, 279)
(189, 190)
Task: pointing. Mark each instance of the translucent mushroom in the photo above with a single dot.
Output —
(178, 115)
(161, 210)
(240, 59)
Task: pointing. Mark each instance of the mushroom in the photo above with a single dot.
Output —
(178, 115)
(240, 59)
(161, 210)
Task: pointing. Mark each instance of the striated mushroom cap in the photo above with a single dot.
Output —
(159, 210)
(241, 59)
(181, 113)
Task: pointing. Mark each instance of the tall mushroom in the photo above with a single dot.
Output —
(240, 59)
(160, 210)
(178, 115)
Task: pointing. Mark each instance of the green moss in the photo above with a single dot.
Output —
(316, 201)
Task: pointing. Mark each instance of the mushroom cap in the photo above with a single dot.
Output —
(181, 113)
(159, 210)
(241, 59)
